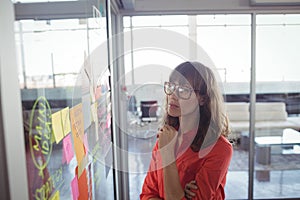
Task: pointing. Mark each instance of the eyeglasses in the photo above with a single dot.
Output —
(182, 92)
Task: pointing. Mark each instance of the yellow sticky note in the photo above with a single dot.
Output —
(55, 196)
(92, 92)
(76, 116)
(56, 127)
(65, 118)
(82, 165)
(94, 111)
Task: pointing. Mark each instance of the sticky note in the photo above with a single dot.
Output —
(82, 165)
(92, 92)
(74, 188)
(90, 178)
(96, 130)
(103, 125)
(83, 186)
(86, 105)
(55, 196)
(108, 121)
(65, 119)
(68, 149)
(56, 127)
(76, 116)
(94, 111)
(85, 142)
(64, 160)
(98, 92)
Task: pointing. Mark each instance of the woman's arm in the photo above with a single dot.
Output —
(172, 186)
(211, 177)
(166, 144)
(150, 189)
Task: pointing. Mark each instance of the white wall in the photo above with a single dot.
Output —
(11, 106)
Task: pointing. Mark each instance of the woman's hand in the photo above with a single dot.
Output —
(167, 138)
(188, 189)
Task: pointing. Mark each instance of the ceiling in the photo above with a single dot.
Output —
(178, 6)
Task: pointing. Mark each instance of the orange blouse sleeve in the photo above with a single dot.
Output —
(150, 187)
(211, 178)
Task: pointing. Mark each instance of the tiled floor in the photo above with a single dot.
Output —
(280, 179)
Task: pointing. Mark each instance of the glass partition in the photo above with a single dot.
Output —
(147, 66)
(65, 90)
(278, 107)
(227, 40)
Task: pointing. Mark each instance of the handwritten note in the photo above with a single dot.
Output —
(76, 116)
(65, 118)
(68, 152)
(61, 124)
(57, 126)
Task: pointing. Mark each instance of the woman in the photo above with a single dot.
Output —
(192, 151)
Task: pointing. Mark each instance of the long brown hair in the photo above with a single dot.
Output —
(212, 122)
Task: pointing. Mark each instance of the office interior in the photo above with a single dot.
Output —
(82, 92)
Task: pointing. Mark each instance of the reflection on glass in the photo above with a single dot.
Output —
(66, 108)
(277, 107)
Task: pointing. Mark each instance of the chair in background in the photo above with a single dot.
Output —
(149, 111)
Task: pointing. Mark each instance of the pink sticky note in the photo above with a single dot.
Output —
(108, 121)
(64, 157)
(85, 143)
(74, 187)
(68, 150)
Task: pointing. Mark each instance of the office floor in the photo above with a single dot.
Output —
(280, 179)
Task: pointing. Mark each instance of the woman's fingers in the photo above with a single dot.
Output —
(189, 193)
(193, 185)
(188, 187)
(188, 196)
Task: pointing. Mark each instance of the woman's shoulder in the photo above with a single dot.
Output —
(223, 145)
(224, 140)
(220, 148)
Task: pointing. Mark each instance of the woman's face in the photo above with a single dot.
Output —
(178, 107)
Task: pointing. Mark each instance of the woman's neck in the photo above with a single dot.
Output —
(189, 122)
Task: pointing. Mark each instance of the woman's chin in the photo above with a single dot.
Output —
(173, 113)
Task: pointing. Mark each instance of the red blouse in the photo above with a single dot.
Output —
(208, 167)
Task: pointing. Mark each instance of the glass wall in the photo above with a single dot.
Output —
(226, 39)
(147, 66)
(65, 91)
(278, 102)
(51, 53)
(66, 98)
